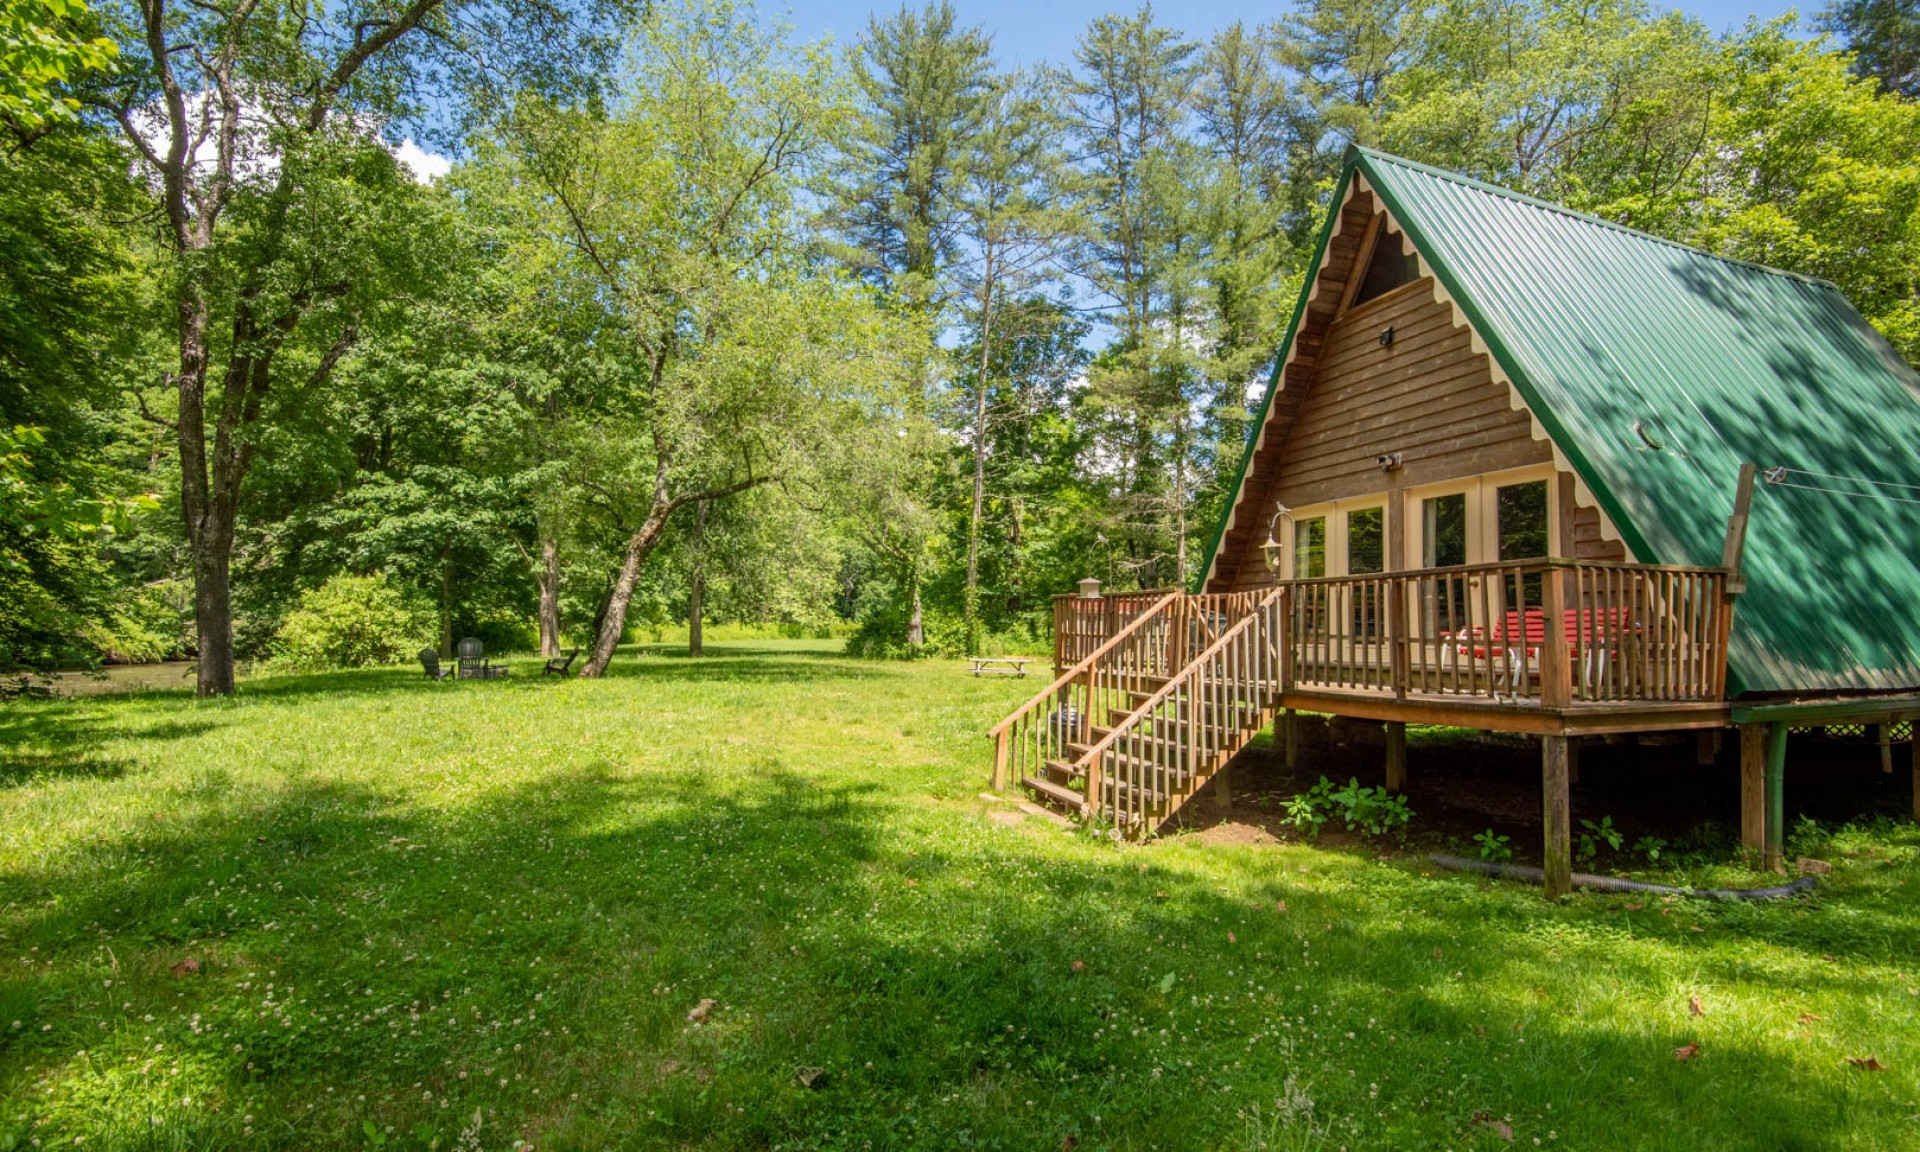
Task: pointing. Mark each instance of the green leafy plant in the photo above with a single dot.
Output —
(351, 622)
(1597, 833)
(1808, 838)
(1494, 846)
(1373, 811)
(1650, 847)
(1308, 811)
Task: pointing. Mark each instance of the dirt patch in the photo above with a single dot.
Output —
(1232, 831)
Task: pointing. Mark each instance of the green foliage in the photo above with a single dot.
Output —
(1588, 843)
(1884, 37)
(1372, 811)
(45, 48)
(1649, 847)
(1308, 811)
(352, 622)
(1808, 837)
(1493, 846)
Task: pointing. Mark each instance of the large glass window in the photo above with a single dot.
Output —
(1366, 553)
(1521, 510)
(1310, 548)
(1443, 542)
(1443, 530)
(1520, 514)
(1366, 541)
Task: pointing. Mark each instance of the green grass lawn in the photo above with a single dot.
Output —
(470, 915)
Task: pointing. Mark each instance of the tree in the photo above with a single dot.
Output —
(926, 86)
(1128, 109)
(282, 209)
(1015, 229)
(683, 203)
(1884, 37)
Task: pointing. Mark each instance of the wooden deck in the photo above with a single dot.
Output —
(1155, 692)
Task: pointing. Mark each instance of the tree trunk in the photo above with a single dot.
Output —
(213, 612)
(972, 601)
(697, 594)
(446, 601)
(639, 546)
(916, 623)
(548, 577)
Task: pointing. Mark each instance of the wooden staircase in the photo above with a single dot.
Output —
(1134, 730)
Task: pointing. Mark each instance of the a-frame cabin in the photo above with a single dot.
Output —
(1505, 478)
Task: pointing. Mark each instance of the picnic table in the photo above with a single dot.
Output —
(1000, 665)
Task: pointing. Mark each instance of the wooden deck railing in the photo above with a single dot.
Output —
(1083, 623)
(1137, 649)
(1548, 633)
(1161, 751)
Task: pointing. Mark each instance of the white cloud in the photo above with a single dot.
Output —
(426, 166)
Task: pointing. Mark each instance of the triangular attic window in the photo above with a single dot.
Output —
(1387, 268)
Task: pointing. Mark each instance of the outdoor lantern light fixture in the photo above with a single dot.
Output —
(1272, 548)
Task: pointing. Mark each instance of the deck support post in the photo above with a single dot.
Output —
(1396, 756)
(1775, 857)
(1706, 747)
(1000, 762)
(1558, 812)
(1914, 752)
(1222, 792)
(1290, 734)
(1753, 786)
(1573, 760)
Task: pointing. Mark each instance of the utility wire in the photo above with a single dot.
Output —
(1777, 477)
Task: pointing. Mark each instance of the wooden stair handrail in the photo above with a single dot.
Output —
(1081, 669)
(1178, 679)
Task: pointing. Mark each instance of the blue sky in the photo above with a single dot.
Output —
(1030, 31)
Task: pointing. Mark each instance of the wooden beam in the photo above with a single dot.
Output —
(1290, 733)
(1573, 760)
(1595, 719)
(1753, 786)
(1396, 756)
(1557, 809)
(1842, 710)
(1706, 747)
(1736, 544)
(1775, 857)
(1222, 793)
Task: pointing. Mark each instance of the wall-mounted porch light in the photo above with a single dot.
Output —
(1272, 549)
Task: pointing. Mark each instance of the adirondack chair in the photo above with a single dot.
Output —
(430, 662)
(473, 662)
(559, 664)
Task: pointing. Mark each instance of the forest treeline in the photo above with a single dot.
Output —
(707, 321)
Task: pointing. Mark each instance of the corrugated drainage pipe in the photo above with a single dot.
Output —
(1534, 875)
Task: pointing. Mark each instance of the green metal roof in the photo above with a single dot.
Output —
(1718, 362)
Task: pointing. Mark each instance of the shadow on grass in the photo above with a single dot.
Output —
(662, 664)
(42, 743)
(533, 956)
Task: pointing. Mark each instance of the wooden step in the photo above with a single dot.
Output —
(1047, 792)
(1241, 717)
(1060, 772)
(1151, 743)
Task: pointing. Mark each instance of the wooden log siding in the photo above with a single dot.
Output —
(1426, 395)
